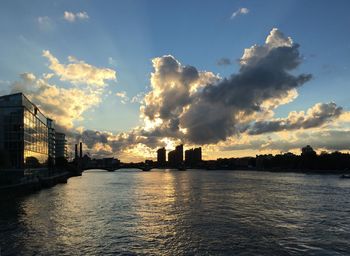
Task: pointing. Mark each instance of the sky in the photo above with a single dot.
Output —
(238, 78)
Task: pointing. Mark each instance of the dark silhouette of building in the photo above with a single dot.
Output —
(175, 157)
(180, 153)
(193, 156)
(172, 158)
(161, 156)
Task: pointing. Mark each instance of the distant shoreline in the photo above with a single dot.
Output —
(27, 188)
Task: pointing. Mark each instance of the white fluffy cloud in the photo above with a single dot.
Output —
(72, 17)
(240, 11)
(65, 105)
(254, 54)
(123, 97)
(78, 71)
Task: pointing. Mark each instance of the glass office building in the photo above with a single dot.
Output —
(24, 133)
(60, 145)
(51, 141)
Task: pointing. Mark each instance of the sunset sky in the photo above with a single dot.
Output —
(239, 78)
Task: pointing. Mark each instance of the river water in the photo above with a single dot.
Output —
(193, 212)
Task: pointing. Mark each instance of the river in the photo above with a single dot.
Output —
(194, 212)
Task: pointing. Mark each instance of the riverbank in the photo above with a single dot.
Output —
(33, 184)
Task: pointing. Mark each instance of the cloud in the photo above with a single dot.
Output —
(45, 23)
(91, 138)
(224, 62)
(188, 105)
(325, 139)
(274, 40)
(82, 15)
(240, 11)
(106, 144)
(201, 108)
(138, 98)
(123, 96)
(65, 104)
(316, 116)
(173, 89)
(112, 61)
(72, 17)
(79, 71)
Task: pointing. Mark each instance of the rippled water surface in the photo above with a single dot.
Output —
(181, 213)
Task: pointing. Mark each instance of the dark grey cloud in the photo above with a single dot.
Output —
(115, 144)
(219, 108)
(317, 116)
(174, 94)
(224, 62)
(91, 138)
(213, 115)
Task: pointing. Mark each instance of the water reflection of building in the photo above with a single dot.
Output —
(175, 157)
(27, 137)
(161, 156)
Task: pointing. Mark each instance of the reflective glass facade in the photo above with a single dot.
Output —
(51, 141)
(61, 145)
(24, 134)
(35, 140)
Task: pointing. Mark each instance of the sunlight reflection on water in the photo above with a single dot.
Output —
(182, 213)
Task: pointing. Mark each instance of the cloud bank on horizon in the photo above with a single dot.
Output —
(195, 107)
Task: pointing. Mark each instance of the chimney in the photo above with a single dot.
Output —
(76, 151)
